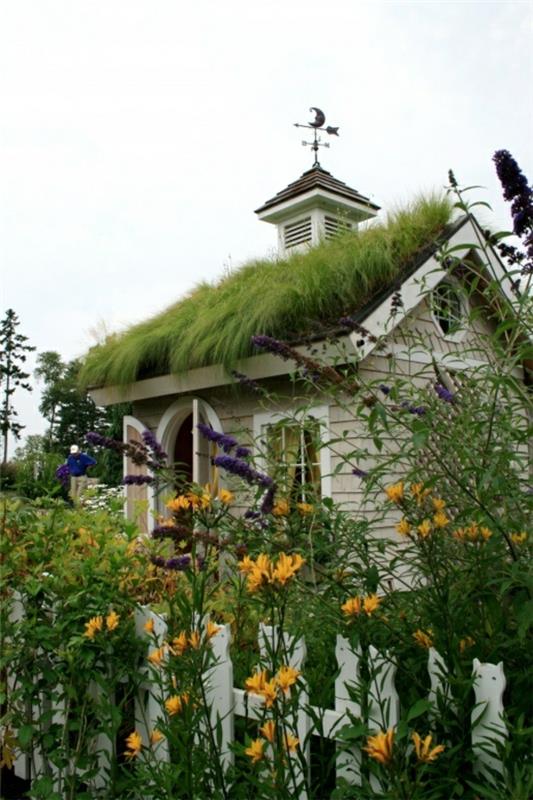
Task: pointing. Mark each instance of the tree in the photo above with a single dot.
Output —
(71, 413)
(50, 368)
(13, 350)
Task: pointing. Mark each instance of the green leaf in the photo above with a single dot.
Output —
(417, 709)
(525, 618)
(25, 735)
(420, 438)
(350, 733)
(43, 787)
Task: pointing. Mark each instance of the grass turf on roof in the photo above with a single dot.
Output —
(285, 299)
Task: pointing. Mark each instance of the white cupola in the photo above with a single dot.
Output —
(315, 207)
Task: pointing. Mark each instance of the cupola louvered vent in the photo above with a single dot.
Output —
(297, 233)
(334, 225)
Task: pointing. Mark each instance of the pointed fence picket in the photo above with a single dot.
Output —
(227, 702)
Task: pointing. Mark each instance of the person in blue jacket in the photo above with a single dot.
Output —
(78, 463)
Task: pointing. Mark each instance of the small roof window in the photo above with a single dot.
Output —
(448, 308)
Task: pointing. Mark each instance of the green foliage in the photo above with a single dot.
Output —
(71, 413)
(36, 469)
(8, 475)
(64, 567)
(13, 349)
(290, 298)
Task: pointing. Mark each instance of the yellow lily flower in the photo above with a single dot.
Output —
(423, 749)
(371, 603)
(268, 731)
(92, 627)
(379, 747)
(352, 607)
(256, 750)
(395, 492)
(287, 677)
(134, 745)
(112, 621)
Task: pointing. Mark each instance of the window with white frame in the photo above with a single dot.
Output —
(293, 449)
(448, 308)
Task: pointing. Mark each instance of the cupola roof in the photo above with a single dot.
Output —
(312, 180)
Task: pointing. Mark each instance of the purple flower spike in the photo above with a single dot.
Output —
(515, 189)
(171, 532)
(385, 389)
(273, 346)
(444, 393)
(417, 410)
(359, 473)
(179, 563)
(223, 440)
(243, 452)
(98, 440)
(249, 383)
(151, 442)
(241, 468)
(268, 500)
(137, 480)
(63, 474)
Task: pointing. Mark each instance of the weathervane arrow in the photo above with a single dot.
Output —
(317, 125)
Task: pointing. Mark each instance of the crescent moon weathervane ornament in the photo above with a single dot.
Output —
(315, 126)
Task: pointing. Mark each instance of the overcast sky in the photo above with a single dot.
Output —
(138, 136)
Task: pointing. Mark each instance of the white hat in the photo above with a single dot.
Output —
(74, 449)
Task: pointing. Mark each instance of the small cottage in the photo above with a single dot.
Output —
(335, 260)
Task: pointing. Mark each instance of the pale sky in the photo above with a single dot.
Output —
(138, 136)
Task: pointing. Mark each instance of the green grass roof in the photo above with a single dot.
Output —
(289, 298)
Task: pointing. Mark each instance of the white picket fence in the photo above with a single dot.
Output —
(226, 702)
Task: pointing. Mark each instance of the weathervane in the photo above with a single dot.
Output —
(316, 126)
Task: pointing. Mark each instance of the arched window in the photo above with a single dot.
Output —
(448, 308)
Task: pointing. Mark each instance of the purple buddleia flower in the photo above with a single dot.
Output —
(444, 393)
(63, 474)
(249, 383)
(268, 500)
(311, 375)
(158, 561)
(348, 322)
(273, 346)
(396, 303)
(97, 440)
(151, 442)
(251, 514)
(385, 389)
(517, 190)
(241, 468)
(171, 532)
(352, 325)
(137, 480)
(179, 563)
(243, 452)
(360, 473)
(417, 410)
(223, 440)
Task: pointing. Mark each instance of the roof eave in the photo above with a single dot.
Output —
(317, 198)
